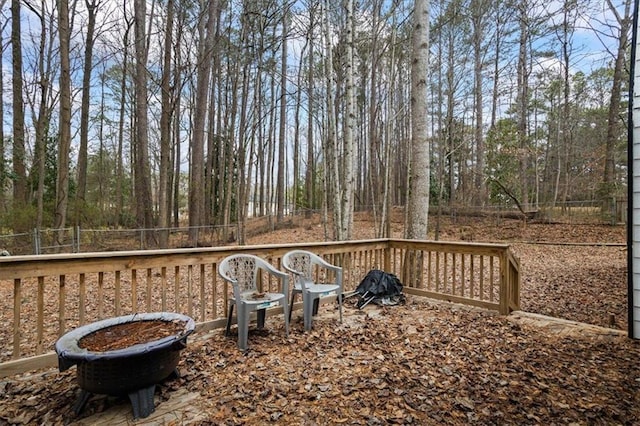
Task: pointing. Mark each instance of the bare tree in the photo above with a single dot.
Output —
(166, 96)
(280, 184)
(418, 203)
(310, 171)
(624, 21)
(43, 97)
(228, 94)
(205, 62)
(295, 196)
(331, 133)
(344, 219)
(144, 212)
(502, 15)
(92, 6)
(479, 15)
(64, 137)
(3, 169)
(19, 168)
(522, 98)
(121, 123)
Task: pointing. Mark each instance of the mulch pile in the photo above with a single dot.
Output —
(124, 335)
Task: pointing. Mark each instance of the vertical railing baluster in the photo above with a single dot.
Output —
(17, 301)
(100, 295)
(429, 270)
(481, 278)
(117, 295)
(214, 290)
(437, 271)
(472, 277)
(491, 279)
(445, 270)
(190, 290)
(163, 279)
(202, 293)
(82, 299)
(176, 288)
(40, 326)
(61, 302)
(134, 291)
(149, 289)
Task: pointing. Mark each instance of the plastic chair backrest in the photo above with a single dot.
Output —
(300, 261)
(242, 271)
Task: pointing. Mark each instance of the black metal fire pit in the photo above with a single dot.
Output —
(132, 370)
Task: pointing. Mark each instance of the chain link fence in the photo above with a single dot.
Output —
(75, 240)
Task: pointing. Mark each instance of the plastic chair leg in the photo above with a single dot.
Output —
(307, 307)
(261, 314)
(287, 315)
(293, 296)
(228, 331)
(243, 328)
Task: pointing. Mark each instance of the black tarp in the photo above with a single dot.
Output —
(381, 288)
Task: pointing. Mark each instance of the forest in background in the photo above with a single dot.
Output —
(157, 113)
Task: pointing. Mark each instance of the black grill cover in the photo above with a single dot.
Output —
(380, 287)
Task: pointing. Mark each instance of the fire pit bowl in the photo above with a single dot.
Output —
(133, 354)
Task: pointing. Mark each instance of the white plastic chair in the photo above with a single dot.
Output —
(242, 270)
(302, 264)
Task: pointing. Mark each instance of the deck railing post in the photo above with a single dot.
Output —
(387, 257)
(504, 284)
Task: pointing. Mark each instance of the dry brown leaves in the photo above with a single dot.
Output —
(422, 363)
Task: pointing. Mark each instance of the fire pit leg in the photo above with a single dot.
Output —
(78, 406)
(142, 402)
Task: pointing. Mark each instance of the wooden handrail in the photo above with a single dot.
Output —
(49, 295)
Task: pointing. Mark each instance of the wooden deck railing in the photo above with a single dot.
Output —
(45, 296)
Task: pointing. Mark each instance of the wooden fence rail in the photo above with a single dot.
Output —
(43, 297)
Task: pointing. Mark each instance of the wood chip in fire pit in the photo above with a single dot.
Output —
(127, 334)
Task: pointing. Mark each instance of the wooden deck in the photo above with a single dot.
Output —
(184, 408)
(52, 294)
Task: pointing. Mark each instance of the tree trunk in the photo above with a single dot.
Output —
(522, 103)
(281, 184)
(142, 175)
(81, 191)
(613, 131)
(331, 183)
(64, 142)
(3, 168)
(295, 196)
(566, 126)
(43, 115)
(418, 203)
(121, 118)
(205, 62)
(19, 168)
(309, 182)
(166, 95)
(479, 11)
(348, 177)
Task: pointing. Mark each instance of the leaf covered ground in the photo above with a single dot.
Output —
(421, 363)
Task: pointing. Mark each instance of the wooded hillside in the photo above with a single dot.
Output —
(154, 114)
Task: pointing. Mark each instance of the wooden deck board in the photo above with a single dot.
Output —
(182, 408)
(564, 327)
